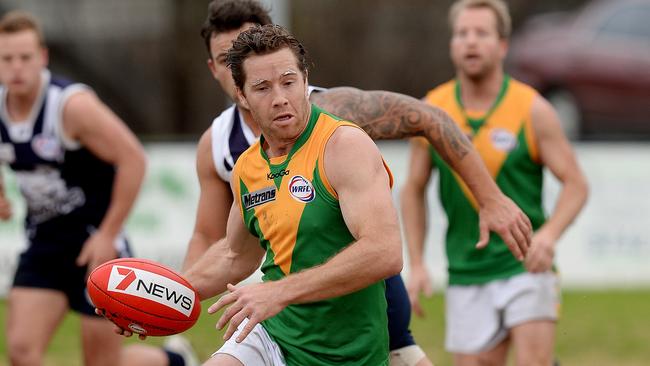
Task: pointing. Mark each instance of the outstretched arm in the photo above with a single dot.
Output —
(230, 260)
(387, 115)
(90, 122)
(556, 154)
(215, 200)
(356, 172)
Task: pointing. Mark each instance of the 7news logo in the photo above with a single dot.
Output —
(151, 286)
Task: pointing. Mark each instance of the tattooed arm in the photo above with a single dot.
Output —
(387, 115)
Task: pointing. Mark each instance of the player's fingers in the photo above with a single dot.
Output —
(428, 289)
(484, 235)
(526, 221)
(234, 324)
(246, 330)
(227, 315)
(524, 226)
(223, 301)
(512, 245)
(142, 337)
(520, 238)
(417, 308)
(84, 256)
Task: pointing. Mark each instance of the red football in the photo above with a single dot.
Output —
(144, 297)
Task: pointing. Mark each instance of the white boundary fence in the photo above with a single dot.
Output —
(607, 246)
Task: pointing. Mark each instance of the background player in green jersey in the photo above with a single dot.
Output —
(492, 300)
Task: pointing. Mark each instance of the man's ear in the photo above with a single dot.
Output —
(242, 98)
(46, 56)
(212, 67)
(306, 85)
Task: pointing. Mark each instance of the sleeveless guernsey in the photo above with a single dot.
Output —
(504, 138)
(288, 203)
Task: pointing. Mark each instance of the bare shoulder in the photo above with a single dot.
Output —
(350, 138)
(543, 115)
(80, 103)
(350, 154)
(205, 143)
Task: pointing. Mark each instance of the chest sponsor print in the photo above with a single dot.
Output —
(503, 139)
(301, 189)
(259, 197)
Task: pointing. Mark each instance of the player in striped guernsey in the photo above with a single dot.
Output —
(79, 170)
(493, 300)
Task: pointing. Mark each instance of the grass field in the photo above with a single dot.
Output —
(596, 329)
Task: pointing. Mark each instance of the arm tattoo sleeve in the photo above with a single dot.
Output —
(389, 116)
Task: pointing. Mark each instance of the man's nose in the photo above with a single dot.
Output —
(279, 97)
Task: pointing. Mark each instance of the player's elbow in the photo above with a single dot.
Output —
(392, 257)
(581, 187)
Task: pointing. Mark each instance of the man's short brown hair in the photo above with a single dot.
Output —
(262, 40)
(498, 7)
(17, 21)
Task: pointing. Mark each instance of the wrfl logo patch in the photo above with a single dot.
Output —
(301, 189)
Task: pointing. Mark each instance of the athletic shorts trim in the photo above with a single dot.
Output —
(480, 316)
(257, 349)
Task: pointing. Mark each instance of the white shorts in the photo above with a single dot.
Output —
(480, 316)
(257, 349)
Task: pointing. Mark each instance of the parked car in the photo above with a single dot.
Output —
(593, 66)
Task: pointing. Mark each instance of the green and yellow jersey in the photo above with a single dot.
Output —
(505, 139)
(288, 203)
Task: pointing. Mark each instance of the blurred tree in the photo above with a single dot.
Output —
(147, 61)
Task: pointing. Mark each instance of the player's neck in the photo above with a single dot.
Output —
(279, 147)
(19, 105)
(479, 94)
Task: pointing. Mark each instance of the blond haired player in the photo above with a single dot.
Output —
(493, 300)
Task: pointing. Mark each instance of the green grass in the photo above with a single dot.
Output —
(597, 328)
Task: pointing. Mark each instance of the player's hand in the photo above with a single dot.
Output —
(256, 302)
(502, 216)
(117, 329)
(5, 208)
(417, 283)
(99, 248)
(542, 252)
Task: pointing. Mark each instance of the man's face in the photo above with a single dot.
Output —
(22, 58)
(219, 45)
(275, 91)
(476, 49)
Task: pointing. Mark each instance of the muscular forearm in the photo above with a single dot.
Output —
(570, 201)
(197, 246)
(128, 179)
(219, 266)
(358, 266)
(414, 222)
(386, 115)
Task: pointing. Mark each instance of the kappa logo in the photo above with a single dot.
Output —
(301, 189)
(151, 286)
(503, 139)
(259, 197)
